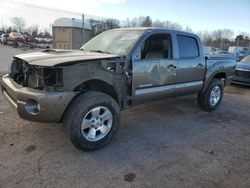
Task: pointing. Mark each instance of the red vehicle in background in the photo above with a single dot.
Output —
(16, 39)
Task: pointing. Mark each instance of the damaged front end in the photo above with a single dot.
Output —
(36, 92)
(36, 77)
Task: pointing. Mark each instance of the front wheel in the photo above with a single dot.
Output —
(211, 98)
(91, 120)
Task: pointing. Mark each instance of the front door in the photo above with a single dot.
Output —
(154, 70)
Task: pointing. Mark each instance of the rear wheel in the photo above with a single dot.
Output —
(211, 98)
(91, 120)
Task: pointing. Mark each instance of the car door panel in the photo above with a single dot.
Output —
(156, 75)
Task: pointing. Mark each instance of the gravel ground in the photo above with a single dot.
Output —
(169, 143)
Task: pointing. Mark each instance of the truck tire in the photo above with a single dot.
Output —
(91, 120)
(211, 98)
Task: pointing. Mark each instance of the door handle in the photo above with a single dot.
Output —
(199, 66)
(171, 67)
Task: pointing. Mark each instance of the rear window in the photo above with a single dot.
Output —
(188, 47)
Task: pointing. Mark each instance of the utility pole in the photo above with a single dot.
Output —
(83, 30)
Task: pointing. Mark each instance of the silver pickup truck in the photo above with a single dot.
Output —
(86, 89)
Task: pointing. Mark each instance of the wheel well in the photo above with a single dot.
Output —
(98, 85)
(222, 76)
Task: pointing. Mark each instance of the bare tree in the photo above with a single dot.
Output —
(112, 23)
(137, 22)
(127, 23)
(18, 23)
(147, 22)
(173, 25)
(205, 36)
(158, 23)
(10, 29)
(3, 28)
(33, 30)
(222, 34)
(188, 29)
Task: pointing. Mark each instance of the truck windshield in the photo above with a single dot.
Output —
(118, 42)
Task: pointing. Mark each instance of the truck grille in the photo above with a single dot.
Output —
(243, 74)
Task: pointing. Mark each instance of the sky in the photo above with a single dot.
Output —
(200, 15)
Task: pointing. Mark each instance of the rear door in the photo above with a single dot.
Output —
(190, 70)
(154, 74)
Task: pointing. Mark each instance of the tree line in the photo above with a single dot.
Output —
(220, 38)
(19, 25)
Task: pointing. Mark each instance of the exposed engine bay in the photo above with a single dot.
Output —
(36, 77)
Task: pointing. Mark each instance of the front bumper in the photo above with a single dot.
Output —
(241, 81)
(242, 77)
(36, 105)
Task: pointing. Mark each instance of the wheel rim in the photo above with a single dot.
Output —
(215, 96)
(97, 123)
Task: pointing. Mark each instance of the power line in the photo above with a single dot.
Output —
(39, 7)
(34, 6)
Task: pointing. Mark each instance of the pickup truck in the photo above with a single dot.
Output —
(86, 89)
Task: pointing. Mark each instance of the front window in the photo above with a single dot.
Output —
(158, 46)
(118, 42)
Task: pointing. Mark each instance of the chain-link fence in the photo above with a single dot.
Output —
(42, 23)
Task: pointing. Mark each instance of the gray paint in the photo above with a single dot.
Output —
(52, 104)
(133, 80)
(61, 57)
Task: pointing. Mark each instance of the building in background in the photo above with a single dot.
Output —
(68, 33)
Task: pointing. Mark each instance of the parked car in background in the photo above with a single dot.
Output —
(223, 52)
(16, 39)
(4, 38)
(44, 40)
(243, 72)
(239, 52)
(30, 42)
(209, 49)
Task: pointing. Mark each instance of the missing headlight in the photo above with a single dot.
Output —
(53, 77)
(45, 78)
(19, 71)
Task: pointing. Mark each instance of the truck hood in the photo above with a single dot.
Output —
(53, 57)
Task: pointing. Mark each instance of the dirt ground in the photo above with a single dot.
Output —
(169, 143)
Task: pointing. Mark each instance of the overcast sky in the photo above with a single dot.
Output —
(200, 15)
